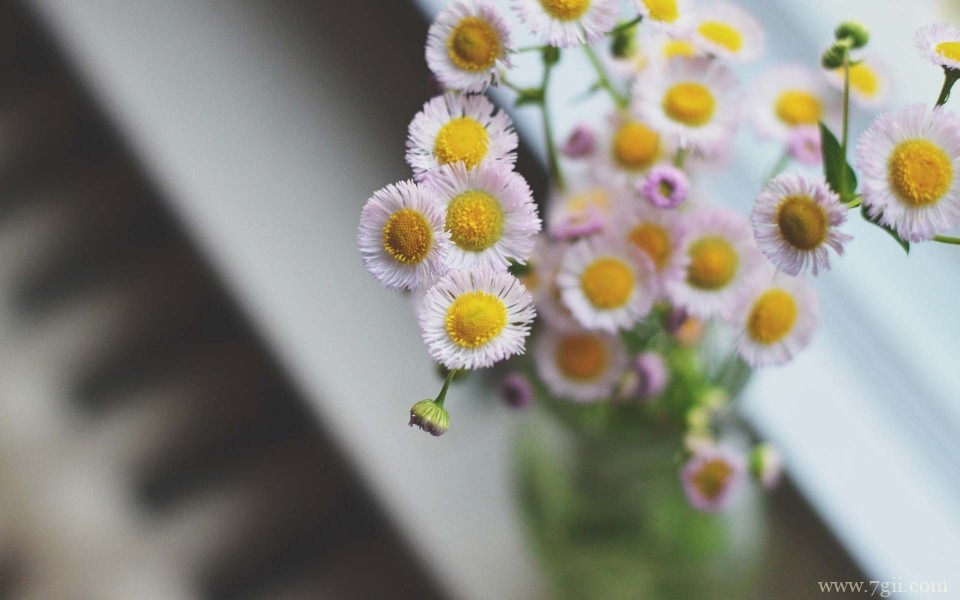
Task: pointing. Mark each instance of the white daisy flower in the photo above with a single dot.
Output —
(401, 237)
(580, 211)
(776, 318)
(607, 285)
(655, 49)
(657, 233)
(628, 151)
(578, 364)
(691, 104)
(940, 44)
(455, 128)
(721, 260)
(565, 23)
(790, 97)
(473, 319)
(468, 44)
(490, 215)
(728, 31)
(908, 161)
(670, 16)
(869, 82)
(796, 220)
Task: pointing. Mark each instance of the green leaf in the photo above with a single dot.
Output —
(529, 96)
(896, 236)
(833, 165)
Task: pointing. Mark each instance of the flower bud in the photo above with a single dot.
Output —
(581, 143)
(654, 374)
(517, 391)
(430, 417)
(624, 44)
(766, 465)
(551, 55)
(834, 56)
(856, 33)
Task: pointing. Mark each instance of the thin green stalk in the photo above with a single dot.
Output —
(625, 26)
(855, 202)
(442, 396)
(780, 166)
(950, 77)
(943, 239)
(619, 99)
(552, 155)
(680, 157)
(846, 121)
(528, 49)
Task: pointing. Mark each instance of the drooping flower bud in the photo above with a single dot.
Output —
(834, 56)
(431, 417)
(624, 44)
(517, 391)
(855, 33)
(581, 143)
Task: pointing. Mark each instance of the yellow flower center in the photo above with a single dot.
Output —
(474, 45)
(607, 283)
(920, 172)
(475, 220)
(772, 317)
(582, 356)
(864, 79)
(690, 103)
(797, 107)
(712, 478)
(674, 48)
(636, 146)
(713, 263)
(663, 10)
(475, 318)
(802, 222)
(566, 10)
(407, 236)
(722, 34)
(653, 239)
(462, 140)
(949, 50)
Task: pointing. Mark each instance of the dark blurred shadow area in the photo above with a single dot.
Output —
(149, 446)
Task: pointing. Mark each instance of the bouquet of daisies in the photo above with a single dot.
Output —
(650, 300)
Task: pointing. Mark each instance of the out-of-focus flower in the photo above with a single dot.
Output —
(401, 236)
(581, 365)
(473, 319)
(776, 319)
(722, 258)
(728, 31)
(907, 164)
(455, 128)
(665, 187)
(766, 465)
(671, 16)
(565, 23)
(628, 153)
(791, 97)
(467, 45)
(796, 220)
(430, 417)
(869, 82)
(805, 147)
(654, 374)
(710, 477)
(580, 212)
(490, 215)
(581, 143)
(517, 391)
(691, 104)
(940, 44)
(852, 32)
(573, 226)
(607, 285)
(657, 233)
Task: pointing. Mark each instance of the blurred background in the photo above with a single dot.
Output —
(204, 395)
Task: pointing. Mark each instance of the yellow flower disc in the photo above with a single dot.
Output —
(407, 236)
(474, 45)
(773, 317)
(566, 10)
(582, 356)
(690, 103)
(713, 264)
(802, 222)
(920, 172)
(475, 318)
(663, 10)
(797, 107)
(712, 478)
(950, 50)
(475, 221)
(636, 146)
(655, 240)
(462, 140)
(608, 283)
(722, 34)
(864, 79)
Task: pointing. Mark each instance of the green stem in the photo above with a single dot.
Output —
(855, 202)
(680, 157)
(846, 122)
(943, 239)
(780, 166)
(627, 25)
(619, 99)
(511, 85)
(552, 155)
(442, 396)
(950, 77)
(528, 49)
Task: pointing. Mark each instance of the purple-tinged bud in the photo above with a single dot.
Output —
(517, 391)
(654, 374)
(665, 187)
(581, 143)
(431, 417)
